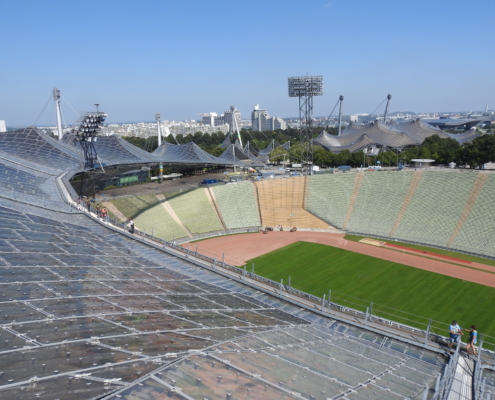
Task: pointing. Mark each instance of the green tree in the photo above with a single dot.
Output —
(322, 157)
(443, 150)
(278, 154)
(480, 151)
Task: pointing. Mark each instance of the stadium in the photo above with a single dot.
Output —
(92, 311)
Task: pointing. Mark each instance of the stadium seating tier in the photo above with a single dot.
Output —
(196, 211)
(238, 205)
(435, 208)
(150, 216)
(329, 195)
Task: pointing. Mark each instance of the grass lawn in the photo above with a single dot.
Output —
(462, 256)
(356, 279)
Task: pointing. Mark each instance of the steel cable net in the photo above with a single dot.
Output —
(30, 145)
(82, 319)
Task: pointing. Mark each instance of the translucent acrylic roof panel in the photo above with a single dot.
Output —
(378, 133)
(113, 150)
(32, 145)
(188, 153)
(136, 314)
(151, 322)
(209, 318)
(51, 360)
(418, 130)
(25, 259)
(19, 181)
(142, 303)
(203, 377)
(23, 291)
(56, 331)
(192, 302)
(62, 388)
(155, 344)
(465, 137)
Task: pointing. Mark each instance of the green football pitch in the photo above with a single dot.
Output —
(398, 292)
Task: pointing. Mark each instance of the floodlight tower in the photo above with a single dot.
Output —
(305, 87)
(341, 99)
(86, 134)
(389, 96)
(56, 97)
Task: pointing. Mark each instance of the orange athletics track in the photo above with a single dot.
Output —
(238, 249)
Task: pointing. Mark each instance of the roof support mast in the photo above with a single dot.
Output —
(158, 118)
(234, 118)
(56, 97)
(341, 99)
(386, 109)
(159, 129)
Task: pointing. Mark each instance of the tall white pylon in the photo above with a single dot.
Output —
(56, 97)
(158, 119)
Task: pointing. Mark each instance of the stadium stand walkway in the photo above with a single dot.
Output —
(282, 201)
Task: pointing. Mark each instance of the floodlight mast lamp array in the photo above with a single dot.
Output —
(86, 134)
(305, 87)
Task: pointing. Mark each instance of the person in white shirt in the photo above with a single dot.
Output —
(455, 332)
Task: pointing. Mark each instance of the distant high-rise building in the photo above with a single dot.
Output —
(3, 128)
(212, 119)
(228, 118)
(261, 121)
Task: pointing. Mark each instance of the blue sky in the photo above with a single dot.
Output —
(187, 57)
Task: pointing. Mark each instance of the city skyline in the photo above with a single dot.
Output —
(181, 59)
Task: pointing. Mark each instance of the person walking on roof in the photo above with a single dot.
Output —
(455, 331)
(473, 339)
(104, 214)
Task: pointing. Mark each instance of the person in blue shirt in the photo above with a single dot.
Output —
(455, 332)
(473, 338)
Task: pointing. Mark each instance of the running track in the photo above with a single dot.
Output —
(237, 249)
